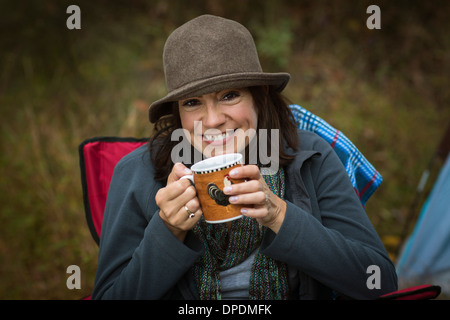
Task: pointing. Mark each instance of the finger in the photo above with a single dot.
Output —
(171, 198)
(178, 216)
(244, 187)
(187, 218)
(177, 172)
(187, 195)
(257, 213)
(193, 205)
(250, 171)
(254, 198)
(180, 187)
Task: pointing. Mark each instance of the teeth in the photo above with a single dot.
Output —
(211, 137)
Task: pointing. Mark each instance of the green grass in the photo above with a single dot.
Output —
(387, 90)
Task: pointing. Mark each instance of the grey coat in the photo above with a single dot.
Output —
(326, 234)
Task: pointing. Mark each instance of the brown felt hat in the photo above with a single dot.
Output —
(209, 54)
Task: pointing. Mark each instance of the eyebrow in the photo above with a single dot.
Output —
(215, 93)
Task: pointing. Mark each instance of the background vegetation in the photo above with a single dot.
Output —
(387, 90)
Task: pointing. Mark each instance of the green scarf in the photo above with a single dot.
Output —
(227, 248)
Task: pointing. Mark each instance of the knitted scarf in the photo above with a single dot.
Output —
(227, 248)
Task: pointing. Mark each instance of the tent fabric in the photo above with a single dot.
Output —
(426, 254)
(364, 177)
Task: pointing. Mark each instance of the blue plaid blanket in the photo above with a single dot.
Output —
(364, 177)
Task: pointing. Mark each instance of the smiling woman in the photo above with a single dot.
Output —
(260, 138)
(222, 116)
(303, 234)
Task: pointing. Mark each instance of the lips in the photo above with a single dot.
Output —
(217, 138)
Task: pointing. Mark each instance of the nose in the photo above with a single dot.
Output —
(213, 117)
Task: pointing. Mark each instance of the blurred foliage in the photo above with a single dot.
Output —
(387, 90)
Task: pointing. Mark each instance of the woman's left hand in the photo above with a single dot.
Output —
(258, 200)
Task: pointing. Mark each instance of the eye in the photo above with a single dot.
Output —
(231, 95)
(190, 103)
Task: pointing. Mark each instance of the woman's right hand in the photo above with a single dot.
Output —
(173, 200)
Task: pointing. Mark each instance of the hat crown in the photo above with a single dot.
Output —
(206, 47)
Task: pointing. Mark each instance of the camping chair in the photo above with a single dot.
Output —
(98, 157)
(364, 177)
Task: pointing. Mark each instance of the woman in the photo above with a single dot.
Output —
(304, 234)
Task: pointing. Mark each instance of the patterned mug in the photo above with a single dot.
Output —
(209, 177)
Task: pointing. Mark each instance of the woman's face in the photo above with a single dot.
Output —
(220, 122)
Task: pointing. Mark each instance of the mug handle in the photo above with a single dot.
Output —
(190, 177)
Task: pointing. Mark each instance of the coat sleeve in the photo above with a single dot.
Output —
(139, 258)
(338, 250)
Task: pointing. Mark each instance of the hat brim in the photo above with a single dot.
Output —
(198, 88)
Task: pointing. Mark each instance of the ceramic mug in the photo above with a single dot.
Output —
(210, 176)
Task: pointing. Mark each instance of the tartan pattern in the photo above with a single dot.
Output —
(364, 177)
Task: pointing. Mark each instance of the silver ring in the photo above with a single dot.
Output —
(189, 212)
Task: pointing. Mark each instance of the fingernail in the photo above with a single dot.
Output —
(227, 189)
(243, 211)
(233, 199)
(187, 170)
(233, 172)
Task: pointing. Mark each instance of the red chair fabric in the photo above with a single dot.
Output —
(423, 292)
(98, 157)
